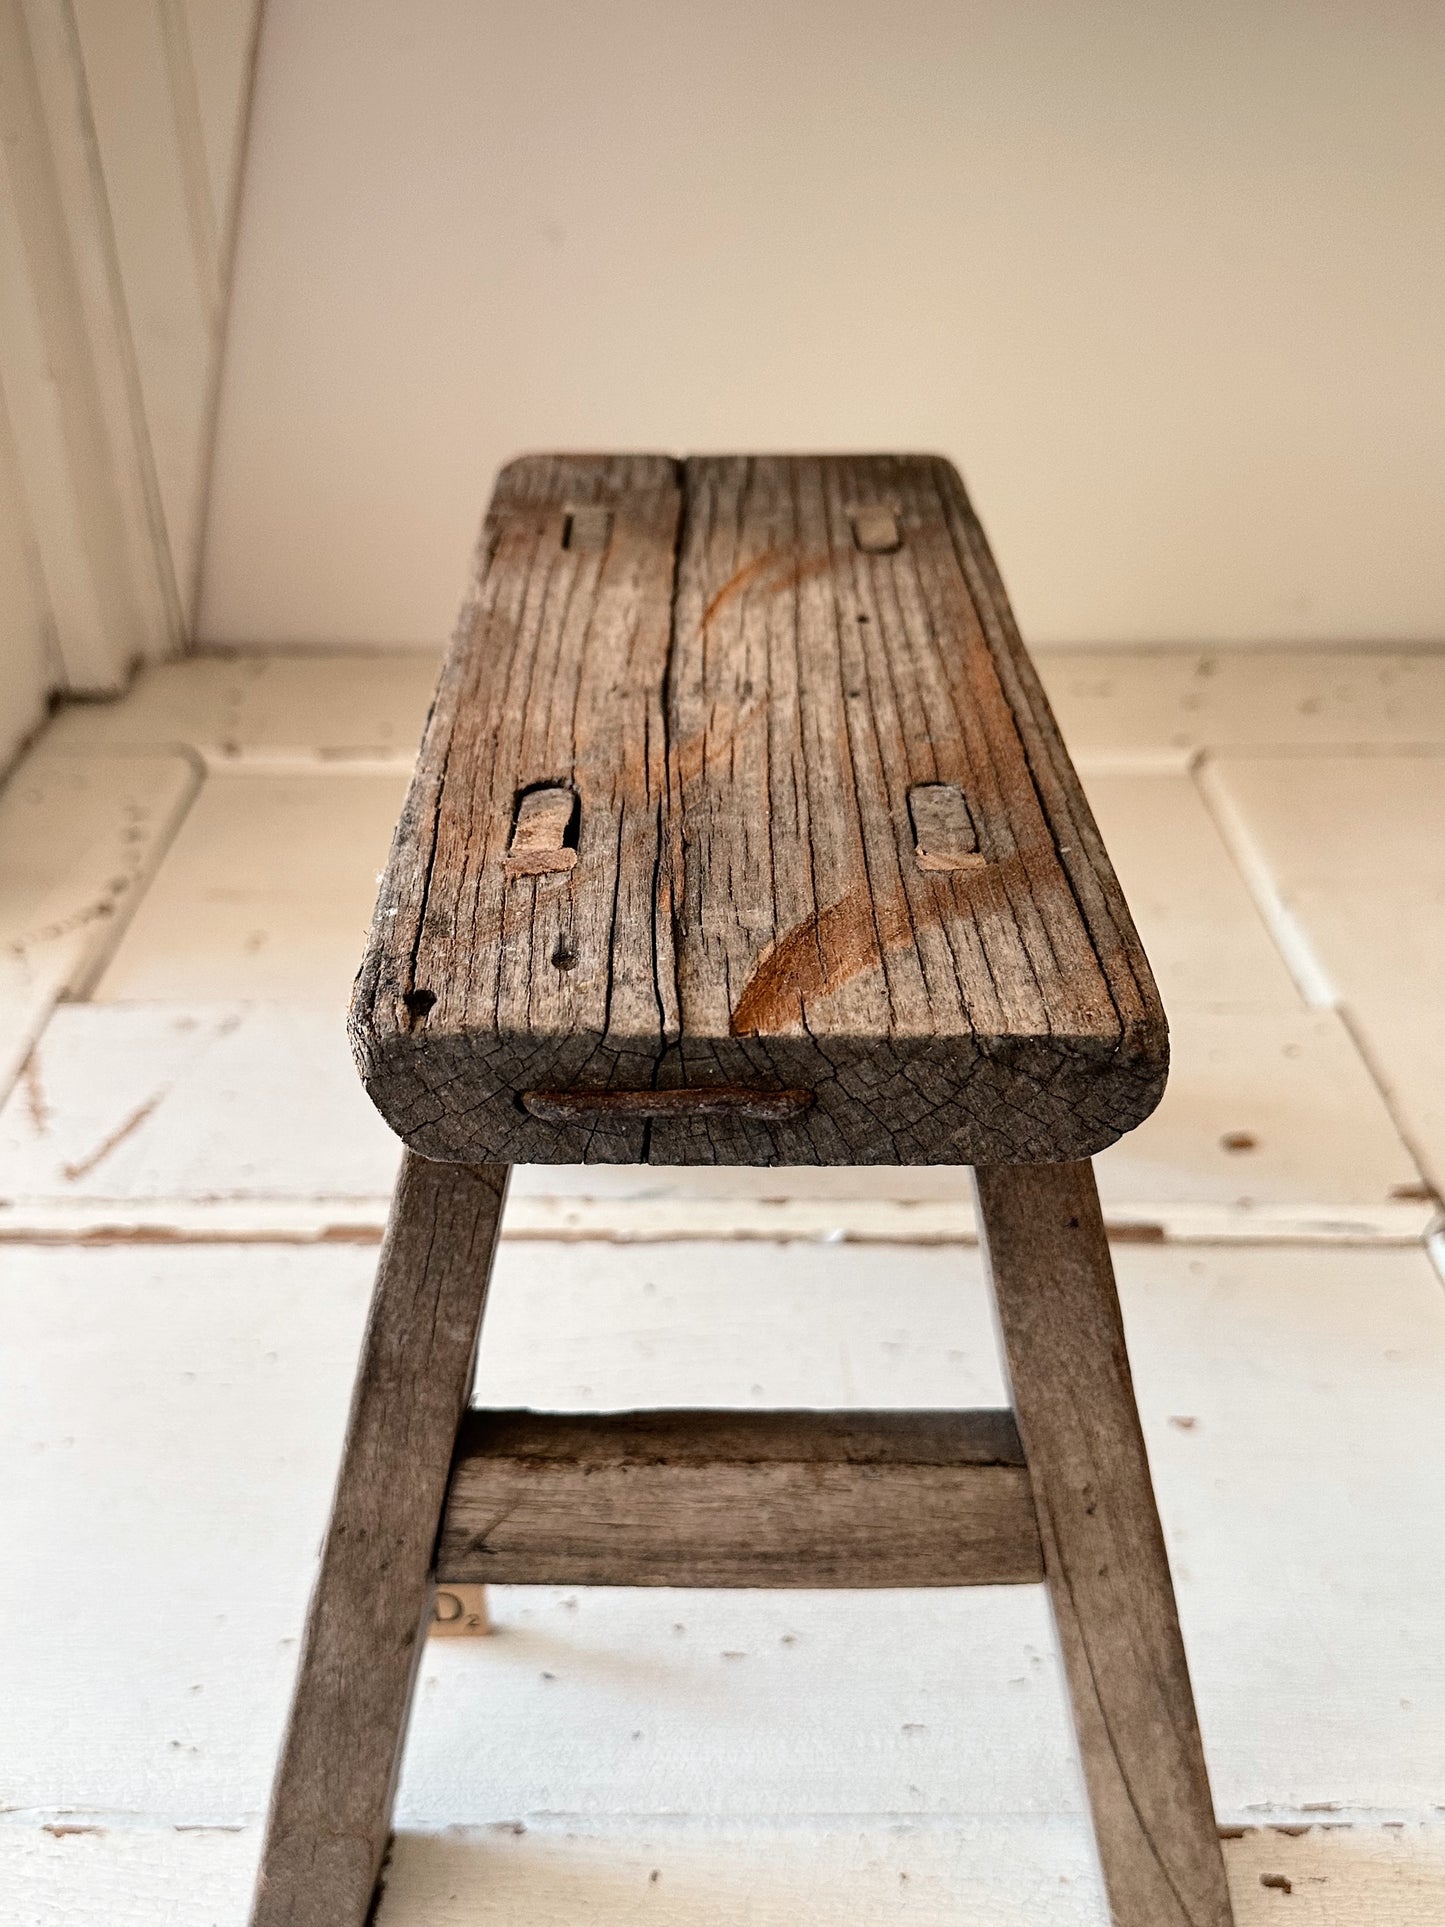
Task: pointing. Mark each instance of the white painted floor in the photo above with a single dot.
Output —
(192, 1188)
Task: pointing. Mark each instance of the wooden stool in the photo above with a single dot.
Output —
(742, 834)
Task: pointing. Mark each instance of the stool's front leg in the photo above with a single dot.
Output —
(330, 1812)
(1108, 1575)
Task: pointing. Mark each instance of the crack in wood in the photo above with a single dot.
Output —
(754, 713)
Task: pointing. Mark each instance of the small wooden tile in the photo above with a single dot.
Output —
(460, 1612)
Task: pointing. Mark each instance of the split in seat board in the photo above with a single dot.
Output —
(741, 834)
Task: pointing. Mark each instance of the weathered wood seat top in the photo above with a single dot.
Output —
(741, 833)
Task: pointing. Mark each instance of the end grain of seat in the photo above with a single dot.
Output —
(836, 895)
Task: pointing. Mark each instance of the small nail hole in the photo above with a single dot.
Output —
(1239, 1141)
(564, 957)
(419, 1002)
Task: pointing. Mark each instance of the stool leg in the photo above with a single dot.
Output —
(1108, 1575)
(330, 1815)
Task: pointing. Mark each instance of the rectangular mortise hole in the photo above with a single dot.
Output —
(876, 531)
(546, 825)
(586, 528)
(944, 836)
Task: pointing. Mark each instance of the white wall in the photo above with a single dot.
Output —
(121, 128)
(29, 661)
(1165, 279)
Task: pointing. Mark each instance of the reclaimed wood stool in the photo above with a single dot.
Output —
(741, 833)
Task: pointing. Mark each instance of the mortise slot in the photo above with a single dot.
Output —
(876, 531)
(544, 832)
(944, 837)
(586, 528)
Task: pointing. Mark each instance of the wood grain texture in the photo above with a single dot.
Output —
(331, 1801)
(743, 697)
(1108, 1573)
(556, 677)
(710, 1498)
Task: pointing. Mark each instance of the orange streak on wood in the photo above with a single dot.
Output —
(791, 571)
(826, 950)
(817, 955)
(795, 968)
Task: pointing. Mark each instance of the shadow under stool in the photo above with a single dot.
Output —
(741, 833)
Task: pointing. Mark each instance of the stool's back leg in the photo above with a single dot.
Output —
(331, 1802)
(1108, 1574)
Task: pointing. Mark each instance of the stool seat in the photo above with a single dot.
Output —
(741, 833)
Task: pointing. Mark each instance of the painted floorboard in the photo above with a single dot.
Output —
(1207, 943)
(171, 1429)
(329, 706)
(1270, 1127)
(174, 1410)
(1128, 702)
(994, 1873)
(266, 892)
(1109, 701)
(1349, 854)
(79, 839)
